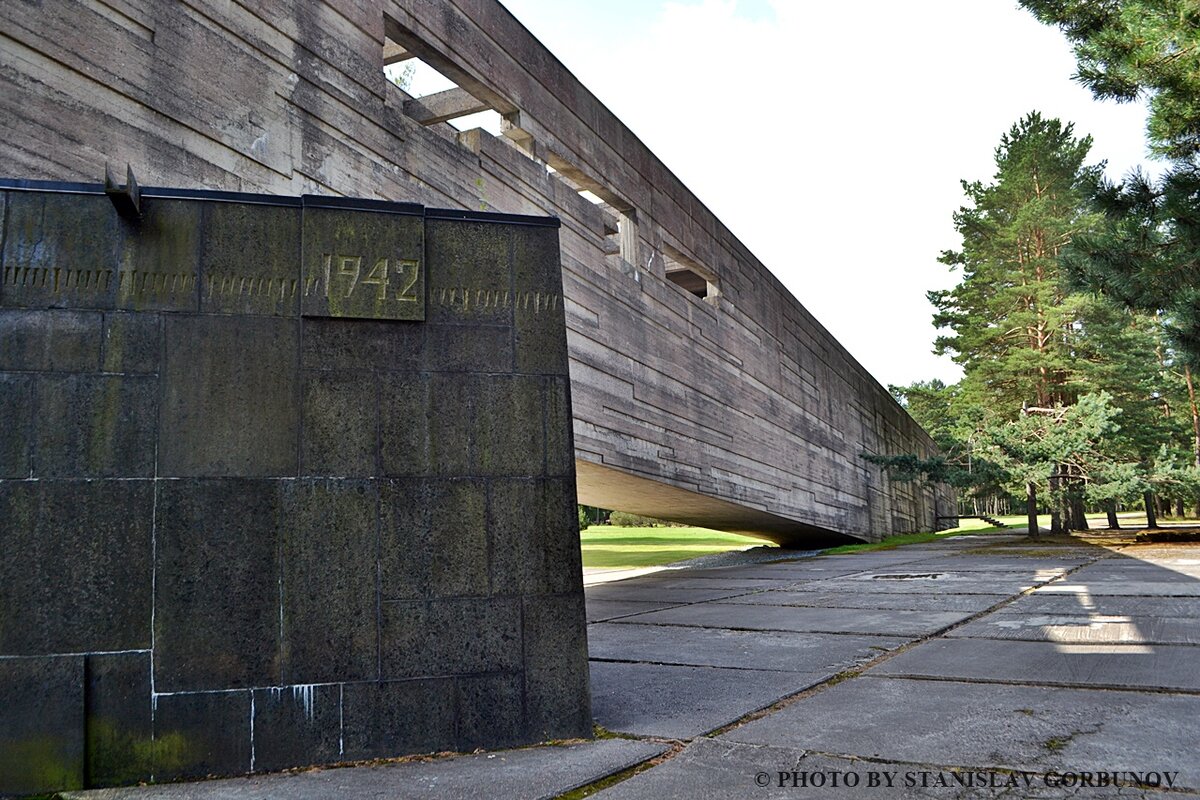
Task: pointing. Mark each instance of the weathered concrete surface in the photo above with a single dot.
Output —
(679, 702)
(536, 773)
(813, 620)
(1111, 665)
(721, 647)
(1026, 728)
(969, 700)
(719, 769)
(292, 99)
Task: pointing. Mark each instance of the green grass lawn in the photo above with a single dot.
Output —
(613, 547)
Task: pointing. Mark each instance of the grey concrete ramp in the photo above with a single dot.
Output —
(1027, 728)
(971, 603)
(813, 620)
(679, 702)
(1172, 667)
(1076, 629)
(535, 773)
(717, 769)
(720, 647)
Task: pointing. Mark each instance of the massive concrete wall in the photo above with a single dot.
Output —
(736, 410)
(273, 493)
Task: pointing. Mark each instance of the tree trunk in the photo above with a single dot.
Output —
(1114, 524)
(1151, 518)
(1031, 508)
(1078, 514)
(1179, 507)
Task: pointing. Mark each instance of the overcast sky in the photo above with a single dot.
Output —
(831, 137)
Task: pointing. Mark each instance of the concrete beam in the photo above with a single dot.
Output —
(394, 53)
(443, 106)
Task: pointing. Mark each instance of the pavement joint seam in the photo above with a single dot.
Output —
(884, 657)
(1099, 687)
(822, 685)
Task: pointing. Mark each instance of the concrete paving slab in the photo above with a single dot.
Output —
(668, 581)
(913, 602)
(717, 647)
(887, 622)
(600, 610)
(1044, 603)
(916, 578)
(1160, 666)
(1075, 629)
(1026, 728)
(1025, 566)
(715, 769)
(681, 702)
(536, 772)
(1138, 571)
(654, 594)
(1118, 586)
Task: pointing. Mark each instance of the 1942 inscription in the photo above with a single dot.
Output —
(363, 266)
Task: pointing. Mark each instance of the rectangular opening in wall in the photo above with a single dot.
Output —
(688, 275)
(430, 97)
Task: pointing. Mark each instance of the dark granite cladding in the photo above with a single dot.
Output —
(120, 743)
(41, 724)
(248, 527)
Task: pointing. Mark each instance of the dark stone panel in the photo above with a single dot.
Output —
(77, 239)
(491, 711)
(160, 263)
(16, 445)
(458, 537)
(216, 622)
(73, 251)
(508, 426)
(451, 637)
(540, 321)
(452, 403)
(469, 348)
(536, 263)
(297, 725)
(405, 407)
(119, 724)
(131, 342)
(230, 397)
(96, 426)
(398, 717)
(329, 557)
(196, 735)
(76, 566)
(405, 549)
(470, 272)
(534, 530)
(541, 342)
(362, 264)
(340, 430)
(434, 538)
(362, 344)
(249, 258)
(41, 724)
(560, 443)
(556, 672)
(54, 341)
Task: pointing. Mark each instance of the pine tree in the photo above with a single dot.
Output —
(1147, 254)
(1012, 324)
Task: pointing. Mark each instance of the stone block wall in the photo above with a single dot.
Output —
(283, 481)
